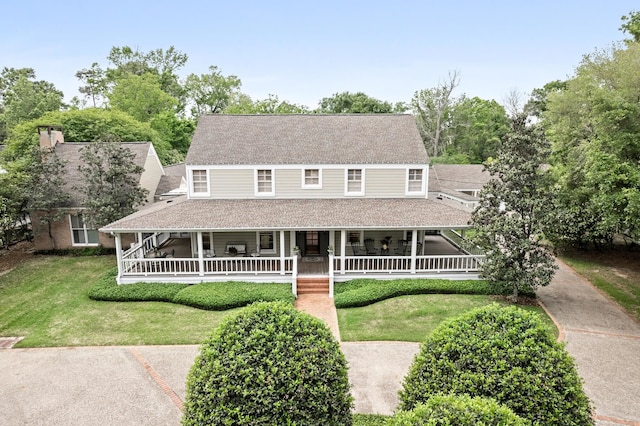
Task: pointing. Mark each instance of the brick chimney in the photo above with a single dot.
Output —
(50, 136)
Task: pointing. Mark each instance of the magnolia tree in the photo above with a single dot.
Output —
(512, 211)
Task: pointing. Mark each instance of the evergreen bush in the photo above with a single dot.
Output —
(459, 410)
(269, 365)
(504, 353)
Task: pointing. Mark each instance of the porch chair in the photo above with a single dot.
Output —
(401, 250)
(357, 249)
(370, 246)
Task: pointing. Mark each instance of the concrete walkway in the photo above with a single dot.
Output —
(604, 341)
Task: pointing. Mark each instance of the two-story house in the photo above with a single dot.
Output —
(279, 197)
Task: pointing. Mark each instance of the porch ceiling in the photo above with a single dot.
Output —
(182, 214)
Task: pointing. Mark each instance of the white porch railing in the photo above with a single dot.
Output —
(402, 264)
(212, 266)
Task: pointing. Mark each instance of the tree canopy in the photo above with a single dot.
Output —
(347, 102)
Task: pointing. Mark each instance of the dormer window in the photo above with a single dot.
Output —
(199, 182)
(415, 181)
(355, 182)
(264, 182)
(311, 178)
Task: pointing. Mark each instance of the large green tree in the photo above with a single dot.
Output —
(95, 84)
(23, 98)
(594, 125)
(476, 128)
(211, 93)
(141, 96)
(46, 190)
(270, 105)
(359, 103)
(84, 125)
(111, 183)
(513, 209)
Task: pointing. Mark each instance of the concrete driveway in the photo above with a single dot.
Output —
(145, 385)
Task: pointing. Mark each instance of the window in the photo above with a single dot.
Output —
(199, 181)
(311, 178)
(264, 182)
(353, 236)
(80, 234)
(354, 182)
(414, 183)
(266, 242)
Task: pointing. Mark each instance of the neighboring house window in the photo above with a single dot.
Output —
(80, 234)
(312, 178)
(266, 241)
(355, 182)
(414, 182)
(200, 182)
(264, 182)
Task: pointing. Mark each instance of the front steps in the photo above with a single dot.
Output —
(313, 285)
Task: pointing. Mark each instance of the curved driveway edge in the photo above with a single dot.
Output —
(604, 341)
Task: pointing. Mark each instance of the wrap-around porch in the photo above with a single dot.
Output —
(283, 256)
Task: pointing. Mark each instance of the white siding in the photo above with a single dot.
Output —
(232, 183)
(289, 184)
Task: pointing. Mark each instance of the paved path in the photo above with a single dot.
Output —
(604, 341)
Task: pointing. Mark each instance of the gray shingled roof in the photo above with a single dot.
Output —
(306, 139)
(459, 176)
(182, 214)
(71, 152)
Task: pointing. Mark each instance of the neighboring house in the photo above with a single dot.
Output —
(71, 231)
(173, 183)
(459, 183)
(282, 197)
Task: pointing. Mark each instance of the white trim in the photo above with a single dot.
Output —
(346, 182)
(304, 178)
(273, 182)
(85, 230)
(273, 237)
(190, 182)
(422, 183)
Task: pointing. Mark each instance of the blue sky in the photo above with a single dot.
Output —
(304, 51)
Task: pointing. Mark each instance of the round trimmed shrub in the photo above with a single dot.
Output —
(504, 353)
(461, 410)
(269, 365)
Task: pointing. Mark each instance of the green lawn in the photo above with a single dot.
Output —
(45, 300)
(412, 318)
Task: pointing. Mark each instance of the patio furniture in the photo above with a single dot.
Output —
(370, 247)
(357, 249)
(401, 250)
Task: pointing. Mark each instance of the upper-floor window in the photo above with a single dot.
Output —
(81, 235)
(312, 178)
(415, 180)
(199, 182)
(264, 182)
(355, 185)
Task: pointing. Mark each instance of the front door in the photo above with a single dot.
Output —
(313, 243)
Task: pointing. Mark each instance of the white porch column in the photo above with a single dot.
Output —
(119, 256)
(292, 240)
(414, 247)
(343, 249)
(141, 252)
(282, 254)
(200, 255)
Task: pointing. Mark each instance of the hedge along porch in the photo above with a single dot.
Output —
(193, 240)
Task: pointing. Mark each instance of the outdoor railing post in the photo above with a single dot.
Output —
(294, 275)
(331, 275)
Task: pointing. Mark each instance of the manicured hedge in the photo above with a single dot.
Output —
(269, 365)
(363, 292)
(369, 419)
(459, 410)
(233, 294)
(209, 296)
(504, 353)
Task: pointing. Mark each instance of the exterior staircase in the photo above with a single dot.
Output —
(313, 285)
